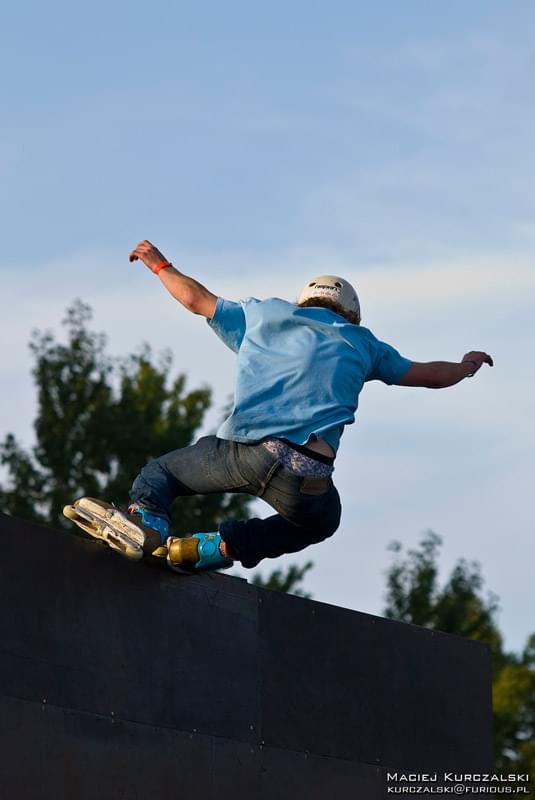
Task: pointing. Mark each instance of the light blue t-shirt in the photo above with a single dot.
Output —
(300, 370)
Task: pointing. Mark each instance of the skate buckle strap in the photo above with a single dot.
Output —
(210, 556)
(151, 520)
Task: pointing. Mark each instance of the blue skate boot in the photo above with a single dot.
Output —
(197, 553)
(133, 533)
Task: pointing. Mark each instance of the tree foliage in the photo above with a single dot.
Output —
(289, 581)
(458, 606)
(99, 420)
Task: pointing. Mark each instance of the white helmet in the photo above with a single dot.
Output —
(332, 288)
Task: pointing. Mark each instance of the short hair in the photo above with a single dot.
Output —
(332, 305)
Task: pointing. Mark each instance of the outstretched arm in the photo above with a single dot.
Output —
(192, 294)
(439, 374)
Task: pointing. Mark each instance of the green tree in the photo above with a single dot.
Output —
(99, 420)
(414, 595)
(289, 581)
(513, 696)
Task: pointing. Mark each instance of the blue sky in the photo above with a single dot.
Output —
(258, 144)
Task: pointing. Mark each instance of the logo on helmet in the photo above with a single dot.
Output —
(321, 290)
(335, 290)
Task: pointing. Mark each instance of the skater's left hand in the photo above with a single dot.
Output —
(150, 255)
(477, 358)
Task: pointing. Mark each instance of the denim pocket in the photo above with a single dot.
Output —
(312, 485)
(266, 479)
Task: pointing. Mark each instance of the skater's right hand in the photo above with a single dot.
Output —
(150, 255)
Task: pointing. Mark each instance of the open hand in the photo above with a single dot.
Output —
(148, 253)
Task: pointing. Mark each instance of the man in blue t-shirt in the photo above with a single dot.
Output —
(300, 369)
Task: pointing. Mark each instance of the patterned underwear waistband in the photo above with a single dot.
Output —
(296, 461)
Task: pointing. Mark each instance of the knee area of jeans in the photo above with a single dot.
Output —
(328, 522)
(324, 533)
(327, 529)
(150, 466)
(332, 530)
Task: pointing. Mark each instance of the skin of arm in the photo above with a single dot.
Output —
(199, 300)
(440, 374)
(189, 292)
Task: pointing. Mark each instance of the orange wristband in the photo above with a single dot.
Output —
(160, 265)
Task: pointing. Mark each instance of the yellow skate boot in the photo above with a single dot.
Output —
(197, 553)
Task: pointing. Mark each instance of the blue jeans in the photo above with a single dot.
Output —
(308, 508)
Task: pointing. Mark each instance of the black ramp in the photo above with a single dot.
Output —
(95, 633)
(121, 680)
(84, 757)
(412, 698)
